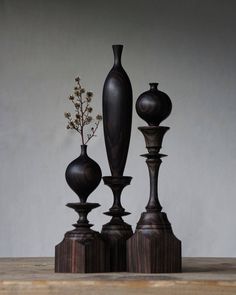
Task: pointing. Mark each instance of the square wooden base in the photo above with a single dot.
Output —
(79, 253)
(154, 248)
(115, 234)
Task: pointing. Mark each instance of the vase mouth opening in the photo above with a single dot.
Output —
(117, 45)
(154, 85)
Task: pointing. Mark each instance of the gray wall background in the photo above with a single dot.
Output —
(187, 46)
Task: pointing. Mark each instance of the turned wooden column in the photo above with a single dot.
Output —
(153, 248)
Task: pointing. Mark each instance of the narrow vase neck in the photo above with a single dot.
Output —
(153, 86)
(83, 150)
(117, 51)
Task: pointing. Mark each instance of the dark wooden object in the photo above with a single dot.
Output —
(117, 114)
(83, 175)
(116, 232)
(153, 106)
(82, 249)
(117, 118)
(153, 248)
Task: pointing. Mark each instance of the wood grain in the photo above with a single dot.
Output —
(36, 276)
(116, 232)
(81, 253)
(117, 104)
(153, 248)
(82, 250)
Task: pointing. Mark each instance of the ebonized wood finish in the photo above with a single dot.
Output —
(153, 248)
(83, 175)
(153, 106)
(116, 232)
(117, 114)
(117, 119)
(82, 249)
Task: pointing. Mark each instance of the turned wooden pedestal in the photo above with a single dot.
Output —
(153, 248)
(116, 232)
(80, 253)
(82, 249)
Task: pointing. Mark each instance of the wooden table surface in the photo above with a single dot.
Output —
(36, 276)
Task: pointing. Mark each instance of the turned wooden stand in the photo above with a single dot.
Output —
(82, 249)
(116, 232)
(153, 248)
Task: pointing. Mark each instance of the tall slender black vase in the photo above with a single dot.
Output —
(117, 119)
(117, 114)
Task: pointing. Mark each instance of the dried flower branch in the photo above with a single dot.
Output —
(83, 113)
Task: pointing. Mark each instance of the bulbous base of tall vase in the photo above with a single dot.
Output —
(154, 248)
